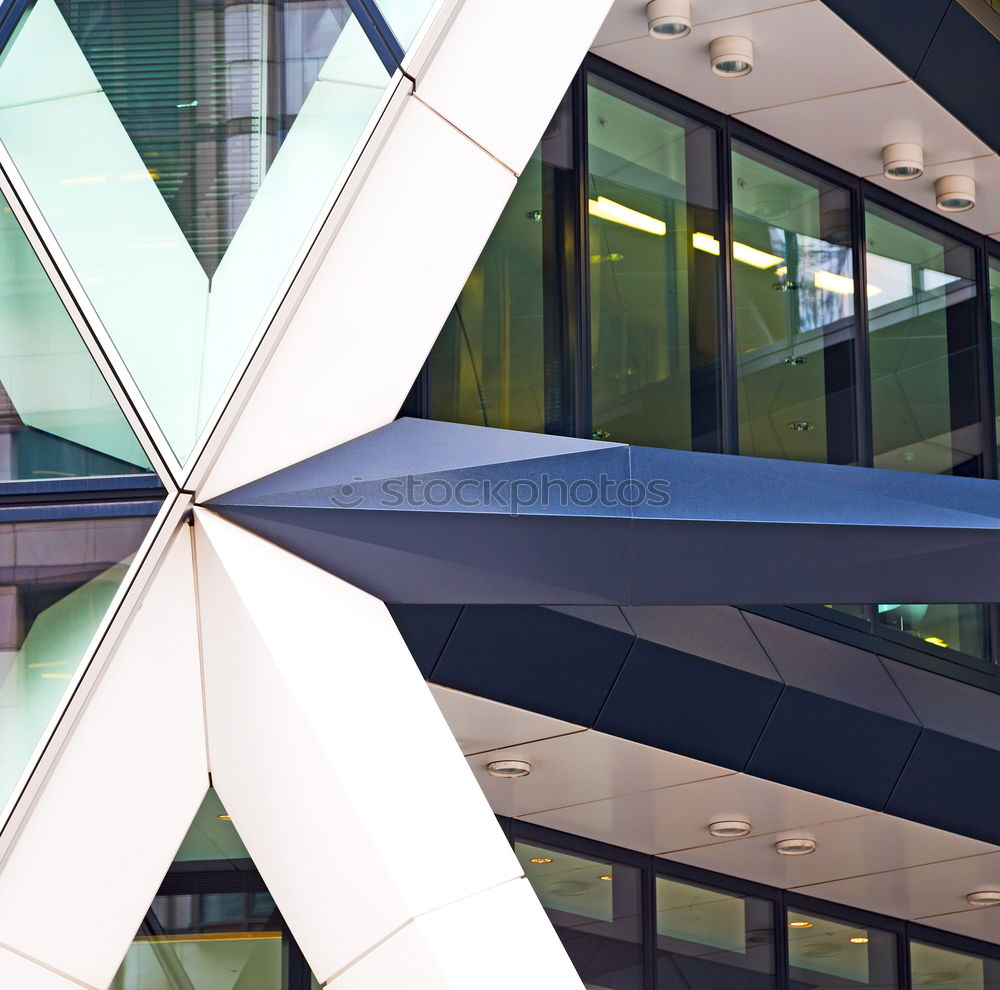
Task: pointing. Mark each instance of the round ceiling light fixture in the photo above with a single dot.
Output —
(984, 898)
(955, 193)
(902, 161)
(800, 846)
(731, 56)
(508, 769)
(669, 19)
(729, 829)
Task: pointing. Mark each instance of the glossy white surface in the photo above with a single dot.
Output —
(472, 81)
(627, 18)
(783, 70)
(479, 724)
(19, 973)
(117, 803)
(849, 130)
(938, 888)
(846, 848)
(307, 672)
(495, 941)
(672, 818)
(571, 770)
(430, 190)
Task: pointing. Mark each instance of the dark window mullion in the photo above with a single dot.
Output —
(727, 321)
(377, 29)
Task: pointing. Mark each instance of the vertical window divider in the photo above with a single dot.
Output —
(727, 320)
(862, 353)
(782, 981)
(581, 262)
(903, 951)
(649, 922)
(986, 369)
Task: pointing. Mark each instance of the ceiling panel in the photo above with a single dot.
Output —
(845, 848)
(938, 888)
(674, 818)
(786, 40)
(583, 767)
(627, 18)
(850, 130)
(973, 923)
(480, 724)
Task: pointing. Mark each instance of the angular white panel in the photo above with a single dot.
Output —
(121, 794)
(480, 724)
(585, 766)
(377, 303)
(328, 751)
(786, 69)
(19, 973)
(498, 940)
(502, 68)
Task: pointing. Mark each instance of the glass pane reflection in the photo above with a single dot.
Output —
(654, 273)
(56, 582)
(708, 939)
(934, 966)
(995, 334)
(824, 953)
(596, 909)
(956, 627)
(793, 301)
(924, 360)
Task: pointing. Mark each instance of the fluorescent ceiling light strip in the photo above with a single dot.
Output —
(741, 252)
(608, 209)
(839, 283)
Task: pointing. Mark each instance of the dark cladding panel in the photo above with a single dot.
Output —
(536, 658)
(425, 629)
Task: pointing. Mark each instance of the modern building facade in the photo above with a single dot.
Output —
(499, 495)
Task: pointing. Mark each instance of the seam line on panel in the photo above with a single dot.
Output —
(201, 644)
(930, 44)
(485, 151)
(406, 924)
(739, 114)
(444, 647)
(52, 99)
(45, 966)
(526, 742)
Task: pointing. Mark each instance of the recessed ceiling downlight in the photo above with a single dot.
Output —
(902, 161)
(731, 56)
(955, 193)
(729, 829)
(508, 769)
(669, 19)
(984, 898)
(795, 847)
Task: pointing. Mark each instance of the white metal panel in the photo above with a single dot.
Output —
(18, 973)
(786, 69)
(495, 941)
(378, 301)
(502, 68)
(103, 830)
(330, 754)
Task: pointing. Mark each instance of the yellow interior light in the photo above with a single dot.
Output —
(751, 256)
(607, 209)
(935, 641)
(859, 940)
(540, 859)
(800, 924)
(706, 243)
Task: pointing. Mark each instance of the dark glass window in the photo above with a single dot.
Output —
(926, 412)
(994, 277)
(936, 966)
(503, 357)
(829, 953)
(793, 302)
(596, 909)
(708, 939)
(948, 627)
(654, 273)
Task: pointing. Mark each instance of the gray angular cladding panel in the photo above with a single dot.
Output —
(424, 512)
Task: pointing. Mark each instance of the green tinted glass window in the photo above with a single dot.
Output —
(825, 952)
(964, 628)
(793, 302)
(923, 343)
(936, 966)
(994, 270)
(654, 273)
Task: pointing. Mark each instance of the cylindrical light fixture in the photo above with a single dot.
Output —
(955, 193)
(731, 56)
(508, 769)
(984, 898)
(902, 161)
(800, 846)
(669, 19)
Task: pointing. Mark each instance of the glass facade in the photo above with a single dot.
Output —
(923, 341)
(629, 920)
(654, 235)
(213, 922)
(793, 312)
(181, 154)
